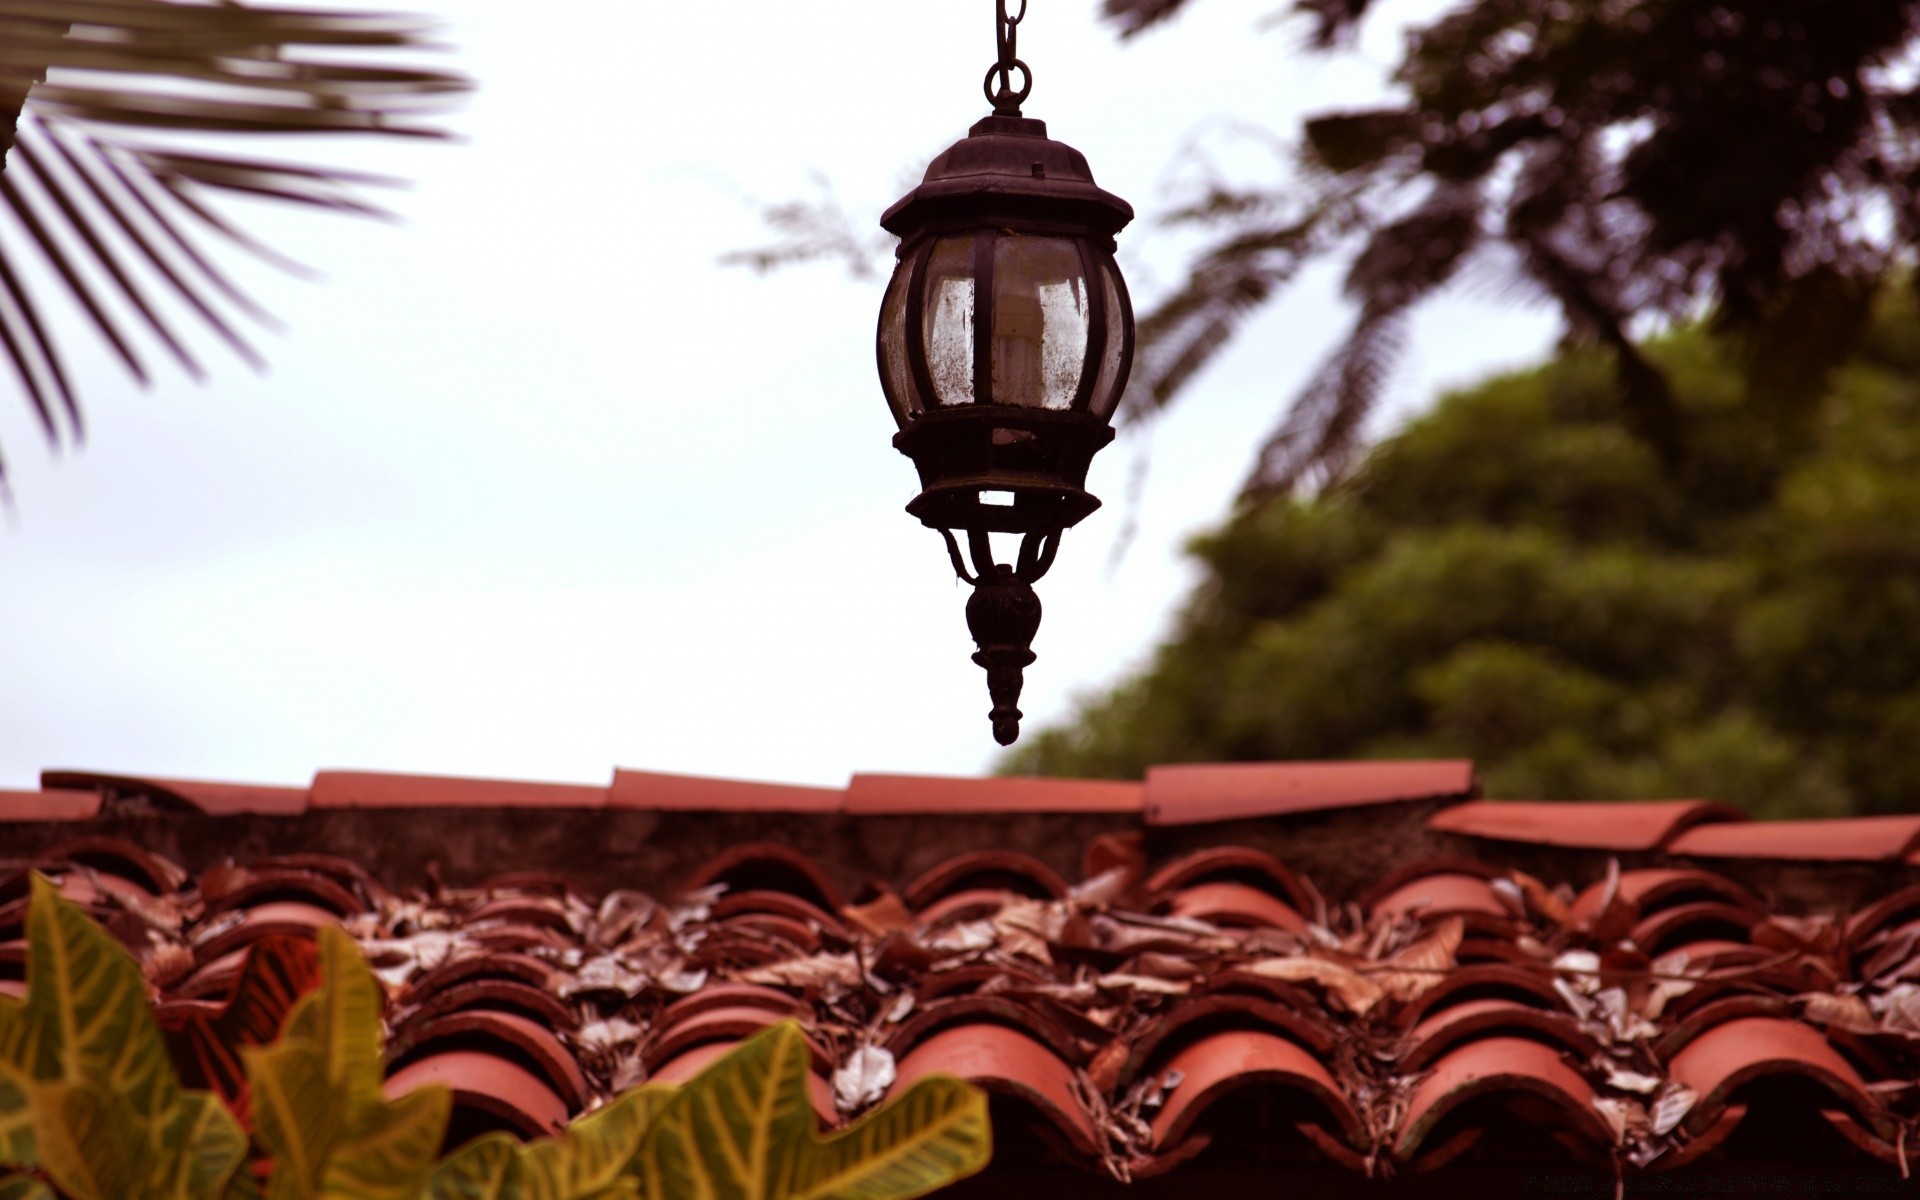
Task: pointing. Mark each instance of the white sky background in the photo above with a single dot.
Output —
(535, 487)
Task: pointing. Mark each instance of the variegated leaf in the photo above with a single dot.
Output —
(745, 1130)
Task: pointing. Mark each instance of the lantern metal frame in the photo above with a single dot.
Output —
(1005, 179)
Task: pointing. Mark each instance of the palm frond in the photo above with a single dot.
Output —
(107, 209)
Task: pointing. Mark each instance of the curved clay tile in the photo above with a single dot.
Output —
(779, 904)
(294, 917)
(685, 1066)
(1471, 1020)
(1222, 1063)
(1235, 905)
(215, 978)
(946, 795)
(767, 865)
(494, 994)
(1010, 870)
(13, 968)
(1240, 982)
(1124, 851)
(49, 804)
(730, 1025)
(973, 976)
(538, 883)
(191, 796)
(974, 904)
(1235, 864)
(730, 995)
(1698, 1145)
(1693, 923)
(1441, 894)
(1722, 1003)
(974, 1011)
(1487, 1068)
(539, 912)
(1726, 1056)
(1844, 839)
(1506, 981)
(505, 1035)
(378, 789)
(344, 871)
(803, 936)
(224, 891)
(117, 856)
(1203, 1017)
(1896, 908)
(503, 965)
(1654, 888)
(1191, 793)
(1486, 948)
(1010, 1063)
(1625, 825)
(653, 791)
(516, 936)
(489, 1092)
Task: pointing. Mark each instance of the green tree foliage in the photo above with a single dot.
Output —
(1516, 578)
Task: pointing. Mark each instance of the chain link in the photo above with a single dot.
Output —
(999, 87)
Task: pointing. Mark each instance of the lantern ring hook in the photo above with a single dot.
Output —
(1006, 39)
(1006, 100)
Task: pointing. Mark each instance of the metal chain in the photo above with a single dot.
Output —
(999, 82)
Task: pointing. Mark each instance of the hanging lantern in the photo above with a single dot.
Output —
(1005, 339)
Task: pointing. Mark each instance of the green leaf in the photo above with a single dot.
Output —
(91, 1141)
(16, 1109)
(600, 1149)
(202, 1148)
(391, 1152)
(84, 1018)
(86, 1009)
(593, 1160)
(24, 1187)
(317, 1104)
(744, 1130)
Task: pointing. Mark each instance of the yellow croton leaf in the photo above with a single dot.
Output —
(593, 1160)
(86, 1088)
(744, 1129)
(317, 1104)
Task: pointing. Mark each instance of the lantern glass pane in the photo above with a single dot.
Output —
(1109, 383)
(896, 373)
(948, 320)
(1040, 315)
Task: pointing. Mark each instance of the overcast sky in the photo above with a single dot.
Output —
(535, 487)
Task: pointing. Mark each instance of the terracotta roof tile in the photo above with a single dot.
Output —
(1210, 1068)
(369, 789)
(489, 1092)
(213, 799)
(52, 804)
(696, 793)
(1193, 793)
(1863, 839)
(909, 795)
(1594, 825)
(1732, 1054)
(1179, 1012)
(1009, 1062)
(1492, 1068)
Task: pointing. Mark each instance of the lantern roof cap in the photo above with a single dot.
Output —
(1007, 167)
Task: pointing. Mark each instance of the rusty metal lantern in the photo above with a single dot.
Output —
(1005, 340)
